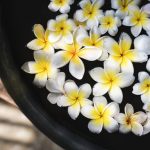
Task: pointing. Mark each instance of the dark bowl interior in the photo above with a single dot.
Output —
(18, 18)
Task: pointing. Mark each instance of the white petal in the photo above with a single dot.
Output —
(146, 8)
(113, 31)
(104, 55)
(98, 3)
(100, 89)
(77, 68)
(53, 98)
(65, 9)
(53, 7)
(136, 30)
(95, 127)
(40, 79)
(79, 16)
(59, 60)
(68, 38)
(70, 86)
(148, 65)
(63, 102)
(112, 109)
(103, 29)
(121, 14)
(147, 25)
(140, 117)
(35, 45)
(51, 25)
(146, 127)
(86, 90)
(92, 22)
(142, 76)
(129, 110)
(120, 118)
(125, 37)
(127, 66)
(146, 106)
(139, 57)
(141, 43)
(124, 129)
(62, 17)
(83, 3)
(112, 126)
(127, 21)
(114, 4)
(137, 89)
(126, 79)
(90, 53)
(87, 111)
(74, 111)
(116, 94)
(41, 55)
(29, 67)
(145, 97)
(137, 129)
(54, 37)
(98, 101)
(96, 74)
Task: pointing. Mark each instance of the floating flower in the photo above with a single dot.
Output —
(101, 115)
(148, 65)
(122, 54)
(42, 42)
(124, 7)
(110, 80)
(146, 124)
(141, 43)
(56, 88)
(61, 28)
(130, 121)
(62, 5)
(75, 98)
(71, 53)
(143, 88)
(109, 23)
(137, 19)
(95, 39)
(42, 67)
(90, 12)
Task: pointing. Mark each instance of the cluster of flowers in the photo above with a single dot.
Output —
(70, 41)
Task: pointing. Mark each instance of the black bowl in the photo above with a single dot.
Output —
(16, 20)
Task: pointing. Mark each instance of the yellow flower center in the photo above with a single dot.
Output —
(60, 2)
(145, 86)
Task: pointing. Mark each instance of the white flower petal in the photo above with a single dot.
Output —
(51, 25)
(148, 65)
(147, 25)
(83, 3)
(41, 55)
(137, 129)
(35, 45)
(29, 67)
(59, 60)
(142, 76)
(65, 9)
(62, 17)
(70, 86)
(137, 89)
(92, 22)
(146, 106)
(139, 57)
(129, 110)
(121, 14)
(54, 37)
(104, 55)
(95, 127)
(127, 66)
(103, 29)
(140, 117)
(90, 53)
(79, 16)
(74, 110)
(146, 127)
(98, 3)
(98, 101)
(68, 38)
(124, 129)
(120, 118)
(145, 97)
(112, 126)
(53, 7)
(116, 94)
(127, 21)
(63, 102)
(100, 89)
(77, 68)
(146, 8)
(40, 79)
(113, 31)
(114, 4)
(136, 30)
(53, 98)
(86, 90)
(141, 43)
(126, 79)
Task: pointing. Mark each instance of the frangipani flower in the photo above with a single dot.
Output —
(80, 24)
(101, 115)
(71, 53)
(61, 28)
(95, 39)
(122, 54)
(148, 65)
(124, 7)
(75, 98)
(42, 42)
(137, 19)
(146, 125)
(42, 67)
(109, 23)
(110, 80)
(90, 12)
(143, 88)
(56, 88)
(130, 121)
(62, 5)
(141, 43)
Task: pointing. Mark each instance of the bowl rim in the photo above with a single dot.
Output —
(21, 96)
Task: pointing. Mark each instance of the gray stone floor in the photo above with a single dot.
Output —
(16, 131)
